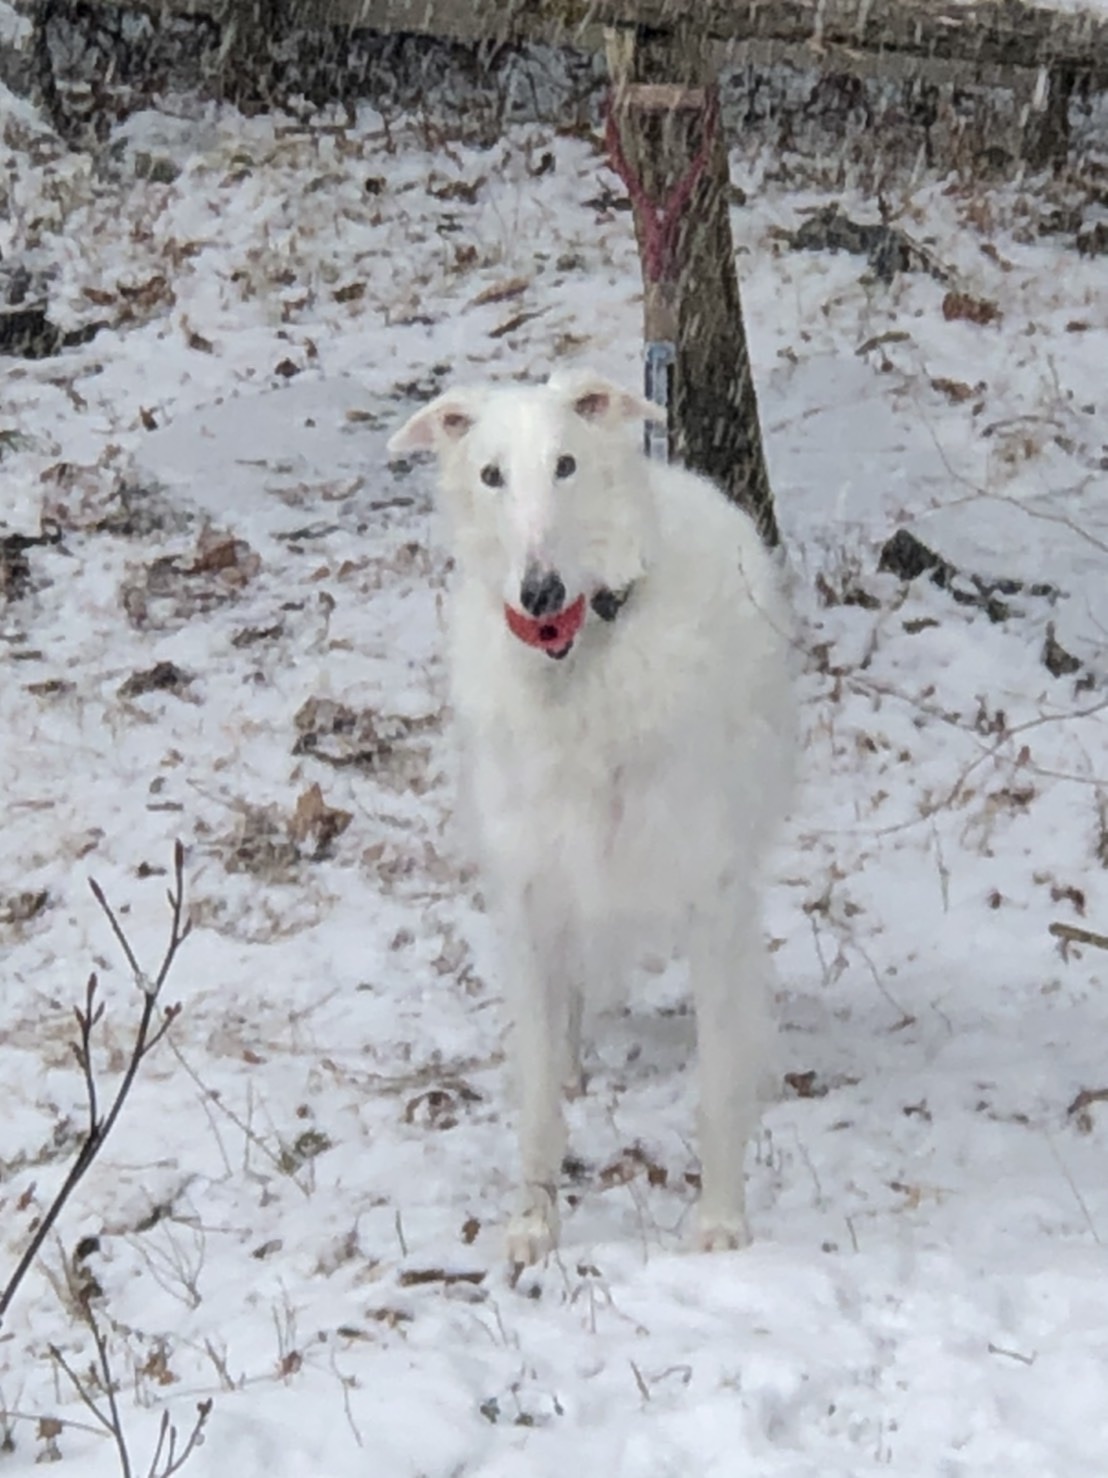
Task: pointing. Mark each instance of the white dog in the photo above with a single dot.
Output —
(620, 672)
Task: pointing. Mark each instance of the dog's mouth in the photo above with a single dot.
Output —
(553, 633)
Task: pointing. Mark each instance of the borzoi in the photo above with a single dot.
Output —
(619, 660)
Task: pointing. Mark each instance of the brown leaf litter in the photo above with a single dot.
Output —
(163, 677)
(342, 736)
(965, 306)
(17, 909)
(500, 292)
(316, 825)
(15, 567)
(173, 589)
(1080, 1110)
(104, 498)
(439, 1108)
(267, 843)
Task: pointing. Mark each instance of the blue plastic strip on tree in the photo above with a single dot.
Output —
(660, 357)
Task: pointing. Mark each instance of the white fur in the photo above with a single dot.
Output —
(623, 797)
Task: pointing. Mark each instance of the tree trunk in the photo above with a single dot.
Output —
(666, 112)
(250, 29)
(1046, 141)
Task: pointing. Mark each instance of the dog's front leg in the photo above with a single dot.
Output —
(541, 997)
(729, 979)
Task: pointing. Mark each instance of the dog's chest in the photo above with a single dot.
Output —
(578, 775)
(582, 825)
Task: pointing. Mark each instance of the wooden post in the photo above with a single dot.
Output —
(664, 100)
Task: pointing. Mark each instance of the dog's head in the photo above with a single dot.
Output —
(546, 492)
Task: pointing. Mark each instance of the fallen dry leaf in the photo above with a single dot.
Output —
(148, 293)
(1069, 894)
(991, 252)
(414, 1277)
(350, 293)
(973, 310)
(1079, 1108)
(316, 822)
(438, 1108)
(510, 325)
(457, 190)
(804, 1085)
(163, 677)
(21, 908)
(956, 391)
(225, 555)
(631, 1162)
(500, 292)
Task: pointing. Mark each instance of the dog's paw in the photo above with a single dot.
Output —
(532, 1235)
(722, 1233)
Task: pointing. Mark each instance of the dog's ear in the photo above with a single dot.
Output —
(446, 419)
(596, 399)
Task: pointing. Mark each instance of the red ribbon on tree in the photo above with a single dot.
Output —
(660, 220)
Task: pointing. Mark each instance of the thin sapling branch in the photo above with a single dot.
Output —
(148, 1033)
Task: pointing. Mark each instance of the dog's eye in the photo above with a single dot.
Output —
(565, 466)
(492, 476)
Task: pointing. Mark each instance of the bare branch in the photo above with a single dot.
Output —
(82, 1050)
(79, 1386)
(164, 1429)
(1072, 934)
(195, 1439)
(108, 1382)
(147, 1036)
(167, 1460)
(117, 929)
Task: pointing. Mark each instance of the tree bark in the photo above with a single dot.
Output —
(1046, 140)
(250, 30)
(664, 108)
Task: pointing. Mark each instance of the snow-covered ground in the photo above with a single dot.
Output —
(299, 1213)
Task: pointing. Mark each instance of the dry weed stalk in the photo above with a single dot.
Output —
(168, 1458)
(169, 1455)
(147, 1036)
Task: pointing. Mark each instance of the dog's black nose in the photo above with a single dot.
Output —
(542, 592)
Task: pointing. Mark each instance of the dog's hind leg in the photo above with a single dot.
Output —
(730, 976)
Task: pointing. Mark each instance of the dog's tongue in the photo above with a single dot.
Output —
(552, 634)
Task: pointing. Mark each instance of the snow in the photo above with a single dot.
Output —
(15, 29)
(300, 1211)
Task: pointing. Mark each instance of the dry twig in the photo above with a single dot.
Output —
(170, 1455)
(1073, 934)
(147, 1036)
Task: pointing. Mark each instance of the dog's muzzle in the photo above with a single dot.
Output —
(555, 632)
(542, 592)
(545, 620)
